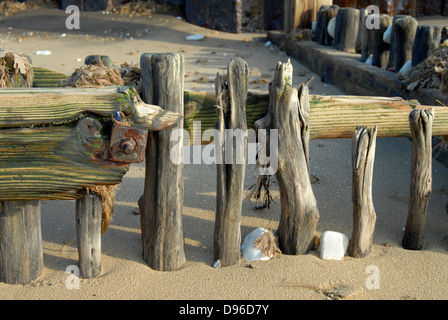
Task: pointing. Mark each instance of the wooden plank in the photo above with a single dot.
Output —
(59, 106)
(331, 116)
(56, 141)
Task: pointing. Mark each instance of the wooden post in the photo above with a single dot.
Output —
(161, 219)
(364, 216)
(364, 38)
(402, 40)
(378, 48)
(346, 31)
(421, 177)
(21, 255)
(88, 231)
(288, 110)
(326, 13)
(427, 40)
(231, 102)
(362, 19)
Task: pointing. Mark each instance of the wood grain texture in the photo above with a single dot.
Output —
(299, 213)
(421, 178)
(364, 216)
(88, 232)
(231, 104)
(161, 217)
(21, 255)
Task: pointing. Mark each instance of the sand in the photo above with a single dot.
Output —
(403, 274)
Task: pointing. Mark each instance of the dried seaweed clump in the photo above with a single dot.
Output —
(267, 243)
(431, 73)
(9, 7)
(107, 194)
(14, 68)
(142, 8)
(95, 76)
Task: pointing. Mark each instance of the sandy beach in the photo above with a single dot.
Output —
(403, 274)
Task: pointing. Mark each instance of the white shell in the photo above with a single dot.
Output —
(387, 35)
(369, 60)
(248, 250)
(313, 26)
(333, 245)
(198, 36)
(331, 26)
(405, 68)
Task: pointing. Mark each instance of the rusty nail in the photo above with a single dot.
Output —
(127, 145)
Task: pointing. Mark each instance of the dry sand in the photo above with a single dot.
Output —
(403, 274)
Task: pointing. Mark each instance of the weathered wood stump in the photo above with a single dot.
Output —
(301, 13)
(427, 40)
(346, 32)
(378, 48)
(161, 218)
(88, 231)
(21, 255)
(362, 25)
(364, 216)
(421, 177)
(288, 111)
(363, 37)
(402, 40)
(325, 14)
(231, 103)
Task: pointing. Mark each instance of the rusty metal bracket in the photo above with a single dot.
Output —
(127, 144)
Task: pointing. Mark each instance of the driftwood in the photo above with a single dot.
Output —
(421, 177)
(402, 40)
(161, 218)
(231, 104)
(427, 39)
(378, 48)
(56, 141)
(287, 113)
(346, 31)
(21, 255)
(88, 230)
(364, 216)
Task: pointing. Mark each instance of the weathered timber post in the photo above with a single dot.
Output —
(427, 39)
(21, 255)
(402, 40)
(364, 216)
(363, 37)
(362, 20)
(231, 167)
(325, 14)
(346, 30)
(378, 48)
(421, 177)
(301, 13)
(161, 218)
(288, 108)
(88, 231)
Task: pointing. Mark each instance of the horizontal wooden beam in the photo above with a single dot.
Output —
(331, 116)
(57, 141)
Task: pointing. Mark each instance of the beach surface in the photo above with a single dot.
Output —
(397, 273)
